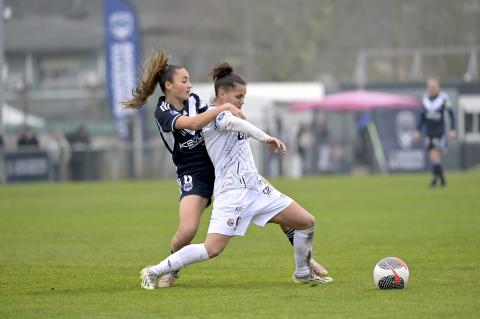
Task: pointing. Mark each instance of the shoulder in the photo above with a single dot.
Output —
(162, 105)
(446, 99)
(444, 95)
(163, 109)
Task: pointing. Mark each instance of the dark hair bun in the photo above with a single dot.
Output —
(221, 70)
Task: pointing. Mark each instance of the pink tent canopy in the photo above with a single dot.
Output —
(359, 100)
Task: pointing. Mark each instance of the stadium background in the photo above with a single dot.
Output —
(55, 71)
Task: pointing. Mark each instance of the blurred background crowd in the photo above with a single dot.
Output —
(56, 80)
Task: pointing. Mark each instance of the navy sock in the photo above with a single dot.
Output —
(435, 172)
(289, 233)
(440, 174)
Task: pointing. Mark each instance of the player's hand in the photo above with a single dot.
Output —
(452, 135)
(416, 136)
(276, 145)
(235, 110)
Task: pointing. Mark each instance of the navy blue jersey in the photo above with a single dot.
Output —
(433, 114)
(186, 146)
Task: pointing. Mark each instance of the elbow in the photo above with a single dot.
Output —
(195, 125)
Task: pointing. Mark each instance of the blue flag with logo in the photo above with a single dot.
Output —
(122, 56)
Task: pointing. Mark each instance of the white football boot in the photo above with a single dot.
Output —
(168, 280)
(312, 279)
(317, 268)
(148, 279)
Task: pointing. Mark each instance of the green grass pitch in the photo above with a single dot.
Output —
(75, 251)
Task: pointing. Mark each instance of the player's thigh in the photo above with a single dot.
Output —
(216, 243)
(435, 154)
(294, 216)
(190, 212)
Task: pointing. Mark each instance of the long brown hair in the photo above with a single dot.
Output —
(155, 70)
(223, 76)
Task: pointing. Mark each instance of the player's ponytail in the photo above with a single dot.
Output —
(223, 76)
(155, 70)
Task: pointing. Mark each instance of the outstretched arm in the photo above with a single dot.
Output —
(420, 123)
(225, 121)
(451, 134)
(201, 120)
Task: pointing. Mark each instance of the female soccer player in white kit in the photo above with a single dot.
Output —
(241, 197)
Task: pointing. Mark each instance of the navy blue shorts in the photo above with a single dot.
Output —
(437, 142)
(201, 185)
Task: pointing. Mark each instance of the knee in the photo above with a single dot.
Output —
(310, 221)
(214, 250)
(307, 222)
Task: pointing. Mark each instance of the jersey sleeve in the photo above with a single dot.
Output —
(227, 121)
(223, 120)
(448, 103)
(166, 118)
(449, 109)
(421, 120)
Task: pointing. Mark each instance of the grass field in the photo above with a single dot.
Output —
(75, 251)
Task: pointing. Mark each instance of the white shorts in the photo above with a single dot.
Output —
(234, 210)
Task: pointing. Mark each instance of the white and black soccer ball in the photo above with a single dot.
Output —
(391, 273)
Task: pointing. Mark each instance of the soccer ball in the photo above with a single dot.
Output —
(391, 273)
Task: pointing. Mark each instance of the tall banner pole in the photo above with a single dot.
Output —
(122, 56)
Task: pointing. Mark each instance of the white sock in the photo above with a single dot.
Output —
(187, 255)
(302, 244)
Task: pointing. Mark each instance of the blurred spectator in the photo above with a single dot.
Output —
(80, 144)
(321, 154)
(27, 139)
(363, 148)
(80, 138)
(2, 143)
(59, 153)
(305, 142)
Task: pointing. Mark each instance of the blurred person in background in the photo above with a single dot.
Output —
(80, 138)
(242, 196)
(58, 150)
(435, 104)
(79, 141)
(306, 147)
(27, 139)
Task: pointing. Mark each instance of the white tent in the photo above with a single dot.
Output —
(262, 96)
(12, 116)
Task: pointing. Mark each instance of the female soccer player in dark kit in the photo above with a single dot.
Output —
(435, 104)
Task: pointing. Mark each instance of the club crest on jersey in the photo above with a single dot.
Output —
(187, 183)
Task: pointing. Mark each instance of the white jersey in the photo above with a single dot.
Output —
(230, 154)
